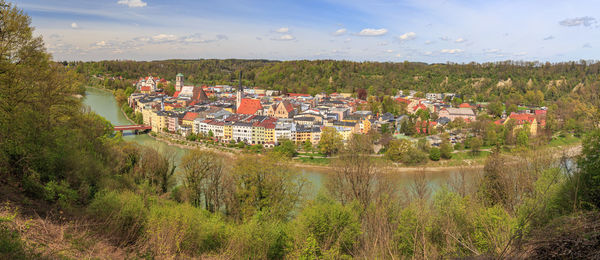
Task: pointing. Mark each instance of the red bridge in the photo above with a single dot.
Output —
(134, 128)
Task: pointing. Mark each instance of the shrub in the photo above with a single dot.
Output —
(327, 227)
(174, 228)
(259, 238)
(123, 214)
(434, 154)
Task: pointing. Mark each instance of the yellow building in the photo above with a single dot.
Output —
(159, 121)
(366, 123)
(227, 132)
(147, 115)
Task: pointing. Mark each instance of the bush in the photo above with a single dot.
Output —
(326, 227)
(173, 228)
(259, 238)
(434, 154)
(123, 214)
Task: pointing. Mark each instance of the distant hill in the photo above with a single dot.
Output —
(473, 79)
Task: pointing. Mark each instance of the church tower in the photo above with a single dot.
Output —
(178, 82)
(240, 91)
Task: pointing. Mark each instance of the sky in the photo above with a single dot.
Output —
(431, 31)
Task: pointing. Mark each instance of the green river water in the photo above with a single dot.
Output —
(103, 103)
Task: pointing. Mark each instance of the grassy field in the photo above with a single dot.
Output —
(566, 140)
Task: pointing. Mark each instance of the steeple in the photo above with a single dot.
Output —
(239, 93)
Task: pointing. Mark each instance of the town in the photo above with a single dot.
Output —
(256, 116)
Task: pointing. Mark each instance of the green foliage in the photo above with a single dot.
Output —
(523, 136)
(264, 184)
(330, 142)
(260, 238)
(435, 154)
(446, 150)
(589, 171)
(123, 214)
(326, 227)
(286, 148)
(397, 149)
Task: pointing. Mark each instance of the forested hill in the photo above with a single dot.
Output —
(482, 81)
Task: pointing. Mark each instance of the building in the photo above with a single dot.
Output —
(454, 113)
(178, 82)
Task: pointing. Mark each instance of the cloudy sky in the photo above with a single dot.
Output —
(375, 30)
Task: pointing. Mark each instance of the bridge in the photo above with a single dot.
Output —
(134, 128)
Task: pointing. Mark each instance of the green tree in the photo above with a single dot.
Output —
(435, 154)
(475, 144)
(307, 146)
(396, 149)
(286, 148)
(331, 141)
(495, 108)
(264, 184)
(589, 172)
(523, 137)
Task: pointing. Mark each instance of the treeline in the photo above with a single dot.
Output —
(482, 82)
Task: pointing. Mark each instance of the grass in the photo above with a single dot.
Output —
(563, 140)
(315, 161)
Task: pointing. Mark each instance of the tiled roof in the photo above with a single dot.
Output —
(249, 106)
(190, 116)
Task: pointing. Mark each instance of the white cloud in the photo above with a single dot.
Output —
(459, 40)
(132, 3)
(399, 55)
(523, 53)
(347, 40)
(428, 42)
(340, 32)
(74, 25)
(373, 32)
(550, 37)
(444, 38)
(585, 21)
(451, 51)
(101, 44)
(161, 38)
(198, 38)
(407, 36)
(389, 51)
(491, 50)
(282, 30)
(427, 53)
(285, 37)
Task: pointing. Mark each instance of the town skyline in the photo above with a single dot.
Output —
(431, 31)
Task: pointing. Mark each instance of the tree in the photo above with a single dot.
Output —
(157, 168)
(446, 150)
(204, 176)
(396, 149)
(331, 141)
(434, 154)
(307, 146)
(589, 172)
(356, 172)
(475, 144)
(495, 108)
(286, 148)
(264, 184)
(523, 136)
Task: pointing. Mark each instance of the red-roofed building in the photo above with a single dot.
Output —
(464, 105)
(403, 100)
(521, 119)
(189, 117)
(419, 106)
(297, 95)
(249, 106)
(145, 89)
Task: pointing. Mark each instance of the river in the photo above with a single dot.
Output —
(103, 103)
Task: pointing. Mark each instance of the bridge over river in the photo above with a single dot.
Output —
(135, 128)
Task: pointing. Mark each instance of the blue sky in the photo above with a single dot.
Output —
(368, 30)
